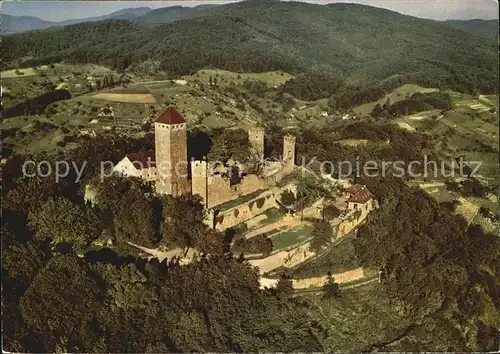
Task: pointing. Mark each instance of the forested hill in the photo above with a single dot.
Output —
(487, 28)
(359, 43)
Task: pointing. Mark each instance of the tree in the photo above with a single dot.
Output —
(377, 111)
(387, 104)
(61, 221)
(330, 288)
(288, 198)
(484, 211)
(211, 242)
(183, 222)
(134, 211)
(285, 286)
(308, 191)
(323, 233)
(22, 261)
(330, 212)
(61, 300)
(230, 144)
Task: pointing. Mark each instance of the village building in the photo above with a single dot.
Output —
(359, 198)
(141, 165)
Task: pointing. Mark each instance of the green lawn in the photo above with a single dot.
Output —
(285, 239)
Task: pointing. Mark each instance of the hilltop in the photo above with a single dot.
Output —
(361, 44)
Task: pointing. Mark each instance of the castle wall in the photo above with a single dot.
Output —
(237, 215)
(315, 282)
(220, 191)
(349, 224)
(217, 189)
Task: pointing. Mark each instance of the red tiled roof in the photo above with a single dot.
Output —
(355, 188)
(141, 160)
(170, 116)
(361, 197)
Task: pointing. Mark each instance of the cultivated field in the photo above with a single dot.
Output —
(225, 77)
(18, 73)
(125, 97)
(352, 142)
(467, 209)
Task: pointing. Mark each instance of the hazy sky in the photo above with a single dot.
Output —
(434, 9)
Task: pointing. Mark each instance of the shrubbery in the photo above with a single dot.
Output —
(257, 244)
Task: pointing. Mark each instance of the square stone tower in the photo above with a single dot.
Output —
(256, 139)
(171, 153)
(199, 179)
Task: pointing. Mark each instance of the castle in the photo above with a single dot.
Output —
(167, 167)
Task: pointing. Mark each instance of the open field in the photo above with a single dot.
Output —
(225, 77)
(125, 97)
(405, 126)
(416, 121)
(479, 104)
(397, 95)
(488, 161)
(22, 73)
(467, 209)
(352, 142)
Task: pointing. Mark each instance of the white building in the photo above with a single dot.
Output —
(141, 164)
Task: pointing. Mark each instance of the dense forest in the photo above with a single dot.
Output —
(36, 105)
(359, 44)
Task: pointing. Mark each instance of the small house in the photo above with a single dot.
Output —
(141, 164)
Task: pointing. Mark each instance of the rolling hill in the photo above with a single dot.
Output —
(487, 28)
(359, 43)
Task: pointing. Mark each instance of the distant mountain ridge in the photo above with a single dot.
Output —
(142, 15)
(487, 28)
(164, 15)
(18, 24)
(360, 44)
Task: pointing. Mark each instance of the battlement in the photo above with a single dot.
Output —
(199, 168)
(289, 139)
(170, 127)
